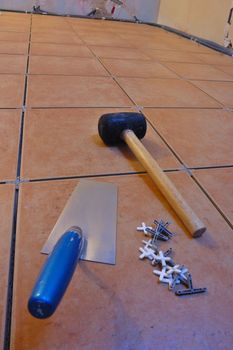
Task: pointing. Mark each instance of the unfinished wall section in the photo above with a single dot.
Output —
(143, 10)
(206, 19)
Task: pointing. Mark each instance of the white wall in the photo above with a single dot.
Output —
(145, 10)
(204, 18)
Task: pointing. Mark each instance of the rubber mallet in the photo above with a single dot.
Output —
(129, 127)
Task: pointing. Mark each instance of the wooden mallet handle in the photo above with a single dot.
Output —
(194, 225)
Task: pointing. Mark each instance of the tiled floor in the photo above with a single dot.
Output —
(57, 77)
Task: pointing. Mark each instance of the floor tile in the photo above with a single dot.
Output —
(70, 132)
(199, 137)
(221, 91)
(106, 40)
(7, 24)
(165, 93)
(44, 30)
(54, 38)
(165, 41)
(18, 28)
(226, 69)
(15, 37)
(137, 68)
(219, 185)
(172, 56)
(118, 52)
(198, 71)
(8, 47)
(55, 22)
(13, 64)
(49, 49)
(129, 289)
(216, 58)
(74, 91)
(6, 210)
(11, 91)
(9, 135)
(191, 46)
(66, 66)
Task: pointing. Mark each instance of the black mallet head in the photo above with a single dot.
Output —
(112, 125)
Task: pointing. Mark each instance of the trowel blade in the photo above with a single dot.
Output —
(93, 207)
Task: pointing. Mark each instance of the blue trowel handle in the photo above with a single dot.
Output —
(56, 274)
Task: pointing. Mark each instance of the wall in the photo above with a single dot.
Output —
(146, 10)
(203, 18)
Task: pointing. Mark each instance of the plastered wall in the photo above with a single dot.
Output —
(203, 18)
(145, 10)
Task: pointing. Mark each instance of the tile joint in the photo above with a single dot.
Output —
(186, 170)
(16, 182)
(228, 109)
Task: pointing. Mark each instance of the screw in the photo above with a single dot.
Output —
(163, 227)
(190, 290)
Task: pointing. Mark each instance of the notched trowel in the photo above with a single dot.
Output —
(86, 229)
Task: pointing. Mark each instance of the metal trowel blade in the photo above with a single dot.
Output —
(93, 207)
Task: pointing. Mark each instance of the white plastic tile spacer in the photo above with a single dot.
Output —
(147, 253)
(162, 274)
(143, 228)
(162, 259)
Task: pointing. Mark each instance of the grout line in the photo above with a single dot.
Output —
(107, 70)
(10, 108)
(212, 200)
(212, 97)
(94, 176)
(134, 106)
(8, 316)
(227, 166)
(205, 108)
(85, 176)
(183, 168)
(167, 144)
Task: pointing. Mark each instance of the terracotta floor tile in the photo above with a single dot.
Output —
(137, 68)
(118, 52)
(216, 58)
(172, 56)
(106, 40)
(221, 91)
(74, 91)
(146, 39)
(44, 30)
(190, 46)
(13, 64)
(198, 71)
(55, 23)
(66, 66)
(70, 132)
(18, 28)
(165, 93)
(200, 137)
(219, 185)
(8, 47)
(163, 41)
(9, 24)
(15, 37)
(226, 69)
(6, 209)
(54, 38)
(9, 136)
(11, 91)
(112, 306)
(48, 49)
(156, 44)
